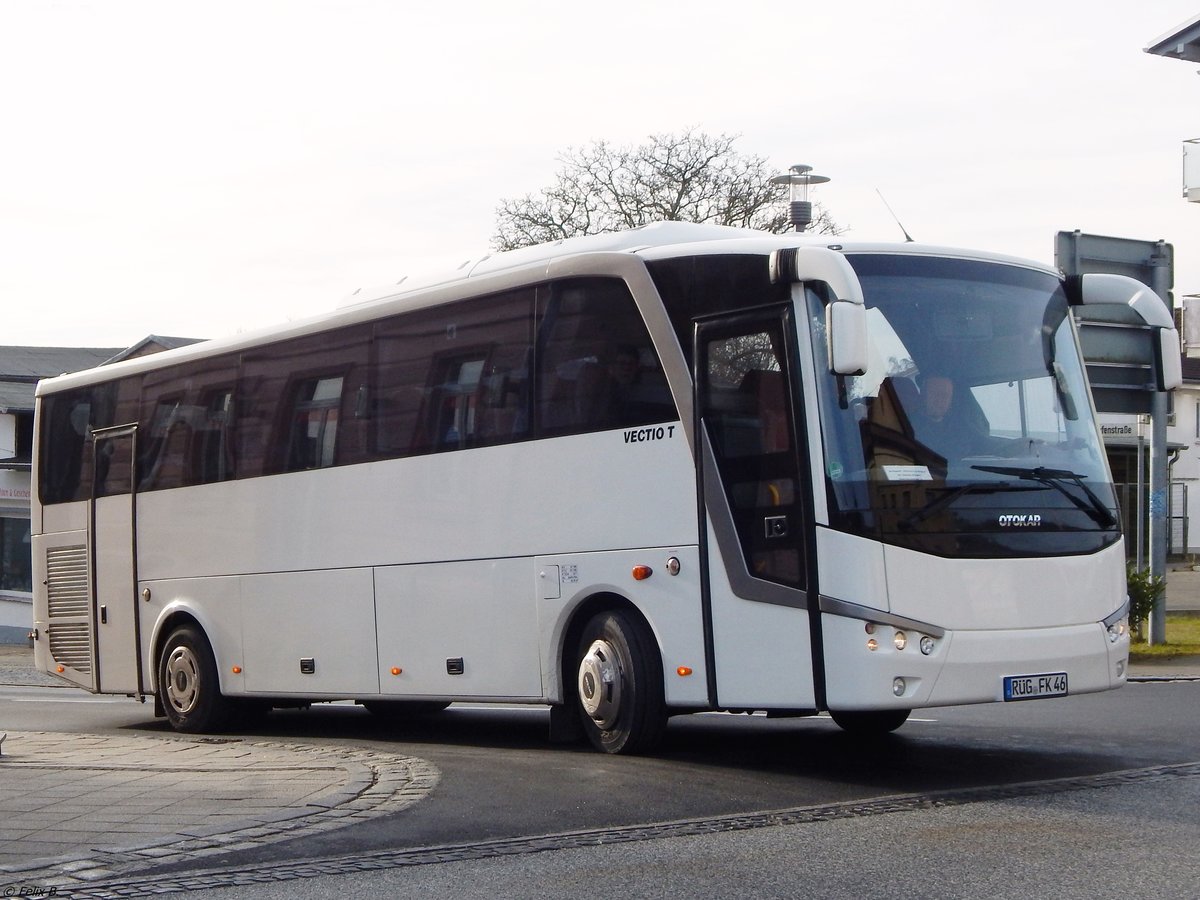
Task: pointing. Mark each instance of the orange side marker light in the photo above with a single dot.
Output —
(641, 573)
(683, 671)
(396, 670)
(237, 670)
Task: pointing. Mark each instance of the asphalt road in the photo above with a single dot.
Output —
(1088, 796)
(1127, 841)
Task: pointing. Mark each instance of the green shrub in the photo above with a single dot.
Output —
(1145, 593)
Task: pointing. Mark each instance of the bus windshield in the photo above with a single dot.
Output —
(971, 432)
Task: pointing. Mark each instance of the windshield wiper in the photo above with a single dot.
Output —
(937, 505)
(1055, 478)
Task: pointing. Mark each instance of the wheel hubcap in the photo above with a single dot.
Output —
(600, 684)
(183, 680)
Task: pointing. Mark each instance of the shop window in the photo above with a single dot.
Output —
(16, 573)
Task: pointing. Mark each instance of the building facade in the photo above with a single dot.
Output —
(1127, 442)
(20, 370)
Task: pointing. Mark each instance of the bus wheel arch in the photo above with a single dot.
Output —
(612, 676)
(188, 687)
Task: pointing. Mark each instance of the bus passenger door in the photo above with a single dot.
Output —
(752, 495)
(113, 542)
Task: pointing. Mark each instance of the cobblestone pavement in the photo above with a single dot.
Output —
(16, 667)
(75, 809)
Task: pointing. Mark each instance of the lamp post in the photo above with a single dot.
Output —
(798, 179)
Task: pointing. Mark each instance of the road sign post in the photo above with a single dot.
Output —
(1113, 361)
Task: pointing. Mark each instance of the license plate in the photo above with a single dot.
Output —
(1034, 687)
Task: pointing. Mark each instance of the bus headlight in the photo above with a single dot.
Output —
(1118, 623)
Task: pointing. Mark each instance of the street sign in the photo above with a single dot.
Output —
(1121, 351)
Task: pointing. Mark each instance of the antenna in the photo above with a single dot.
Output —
(907, 237)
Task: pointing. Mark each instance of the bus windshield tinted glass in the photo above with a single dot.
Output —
(972, 421)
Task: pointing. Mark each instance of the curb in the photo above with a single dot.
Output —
(373, 784)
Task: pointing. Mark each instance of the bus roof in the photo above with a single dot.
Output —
(659, 240)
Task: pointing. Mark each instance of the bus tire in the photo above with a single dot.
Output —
(188, 685)
(619, 685)
(868, 722)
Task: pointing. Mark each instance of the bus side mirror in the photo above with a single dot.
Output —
(845, 317)
(846, 333)
(1169, 369)
(1096, 289)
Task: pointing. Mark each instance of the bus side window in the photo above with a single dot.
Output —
(62, 473)
(312, 440)
(290, 401)
(452, 415)
(115, 403)
(163, 446)
(185, 427)
(597, 368)
(453, 377)
(211, 456)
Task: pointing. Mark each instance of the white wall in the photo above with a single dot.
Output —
(16, 618)
(1183, 436)
(1186, 431)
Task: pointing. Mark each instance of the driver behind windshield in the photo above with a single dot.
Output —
(948, 419)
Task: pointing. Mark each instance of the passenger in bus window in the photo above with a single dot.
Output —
(772, 410)
(604, 390)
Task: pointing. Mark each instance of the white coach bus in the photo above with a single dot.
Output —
(674, 469)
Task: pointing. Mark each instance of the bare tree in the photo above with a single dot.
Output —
(688, 177)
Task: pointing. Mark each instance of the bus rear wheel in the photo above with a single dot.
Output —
(868, 722)
(188, 685)
(619, 685)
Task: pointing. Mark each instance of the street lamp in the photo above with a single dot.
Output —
(798, 178)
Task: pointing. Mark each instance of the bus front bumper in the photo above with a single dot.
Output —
(888, 668)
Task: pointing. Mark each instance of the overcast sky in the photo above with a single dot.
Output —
(196, 169)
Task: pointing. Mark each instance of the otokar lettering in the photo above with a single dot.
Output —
(1031, 520)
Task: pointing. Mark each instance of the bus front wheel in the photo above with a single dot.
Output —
(188, 685)
(619, 685)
